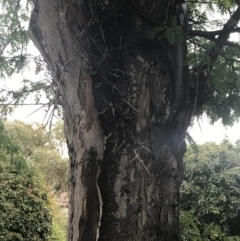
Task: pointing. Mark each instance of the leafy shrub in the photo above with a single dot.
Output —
(211, 193)
(24, 208)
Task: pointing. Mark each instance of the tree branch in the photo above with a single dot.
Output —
(193, 21)
(230, 44)
(212, 34)
(202, 2)
(198, 97)
(205, 48)
(226, 43)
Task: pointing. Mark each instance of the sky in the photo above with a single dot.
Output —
(201, 130)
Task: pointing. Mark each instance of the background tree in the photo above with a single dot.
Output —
(42, 151)
(130, 76)
(210, 193)
(25, 212)
(26, 184)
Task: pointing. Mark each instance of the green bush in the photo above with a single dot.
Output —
(25, 215)
(210, 200)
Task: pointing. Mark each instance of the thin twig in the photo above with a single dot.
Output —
(141, 144)
(130, 105)
(142, 162)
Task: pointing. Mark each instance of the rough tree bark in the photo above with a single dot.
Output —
(126, 111)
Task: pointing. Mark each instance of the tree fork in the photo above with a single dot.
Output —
(125, 113)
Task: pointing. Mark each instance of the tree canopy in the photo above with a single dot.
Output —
(43, 151)
(214, 53)
(25, 209)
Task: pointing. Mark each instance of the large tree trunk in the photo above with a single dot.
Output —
(125, 110)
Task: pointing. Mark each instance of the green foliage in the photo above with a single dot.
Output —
(59, 225)
(223, 85)
(42, 151)
(224, 88)
(25, 214)
(211, 193)
(58, 233)
(14, 57)
(192, 143)
(189, 227)
(14, 16)
(156, 31)
(9, 152)
(172, 33)
(201, 9)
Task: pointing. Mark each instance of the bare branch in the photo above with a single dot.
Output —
(202, 2)
(226, 43)
(213, 34)
(230, 44)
